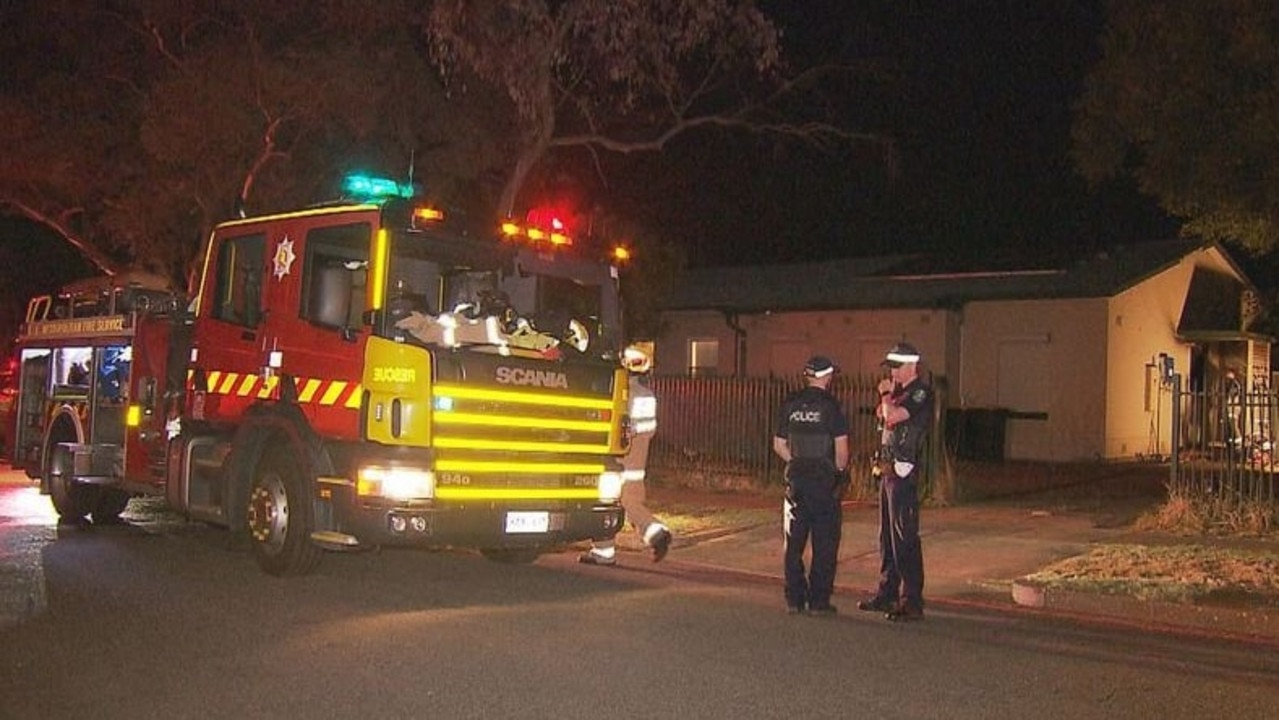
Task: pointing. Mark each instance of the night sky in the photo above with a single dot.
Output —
(976, 99)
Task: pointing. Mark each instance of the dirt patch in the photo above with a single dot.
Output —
(1187, 573)
(690, 520)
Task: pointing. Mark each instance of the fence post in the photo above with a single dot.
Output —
(1174, 464)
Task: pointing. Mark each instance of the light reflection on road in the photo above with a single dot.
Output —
(26, 506)
(27, 523)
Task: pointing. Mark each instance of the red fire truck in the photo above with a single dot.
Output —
(347, 376)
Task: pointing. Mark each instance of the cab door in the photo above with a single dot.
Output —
(314, 334)
(227, 342)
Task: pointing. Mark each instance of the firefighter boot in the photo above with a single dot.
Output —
(599, 554)
(658, 538)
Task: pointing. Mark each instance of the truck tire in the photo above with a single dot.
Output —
(280, 516)
(108, 506)
(73, 501)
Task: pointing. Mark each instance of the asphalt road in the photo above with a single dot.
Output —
(157, 619)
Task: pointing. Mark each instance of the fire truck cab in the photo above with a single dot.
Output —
(349, 375)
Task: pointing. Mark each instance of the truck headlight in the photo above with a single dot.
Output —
(610, 486)
(396, 483)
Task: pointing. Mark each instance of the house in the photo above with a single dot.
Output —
(1072, 354)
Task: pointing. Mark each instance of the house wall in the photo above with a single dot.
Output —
(779, 343)
(1142, 324)
(1080, 377)
(1045, 362)
(680, 328)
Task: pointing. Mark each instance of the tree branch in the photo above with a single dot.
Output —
(819, 134)
(58, 225)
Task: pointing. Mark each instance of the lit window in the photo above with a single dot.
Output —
(703, 357)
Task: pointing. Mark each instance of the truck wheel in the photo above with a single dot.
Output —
(280, 517)
(110, 503)
(511, 556)
(72, 500)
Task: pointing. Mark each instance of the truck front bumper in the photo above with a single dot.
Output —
(509, 525)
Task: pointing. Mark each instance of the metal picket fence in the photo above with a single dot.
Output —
(1225, 446)
(725, 425)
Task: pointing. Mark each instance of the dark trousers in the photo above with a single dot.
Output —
(901, 569)
(811, 511)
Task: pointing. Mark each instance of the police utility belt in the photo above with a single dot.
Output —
(888, 463)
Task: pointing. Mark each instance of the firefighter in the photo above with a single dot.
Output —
(655, 535)
(906, 411)
(812, 439)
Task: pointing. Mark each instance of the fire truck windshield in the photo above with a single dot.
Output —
(445, 293)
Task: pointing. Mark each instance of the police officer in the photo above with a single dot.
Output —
(643, 410)
(906, 411)
(812, 439)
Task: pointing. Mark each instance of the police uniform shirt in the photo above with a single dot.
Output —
(809, 421)
(906, 441)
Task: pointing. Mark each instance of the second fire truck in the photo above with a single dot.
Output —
(347, 376)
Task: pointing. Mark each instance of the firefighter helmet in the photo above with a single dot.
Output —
(636, 359)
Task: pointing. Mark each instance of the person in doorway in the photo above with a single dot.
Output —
(643, 411)
(812, 439)
(1234, 410)
(906, 411)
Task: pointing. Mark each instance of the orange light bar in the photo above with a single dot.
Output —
(428, 214)
(534, 234)
(621, 253)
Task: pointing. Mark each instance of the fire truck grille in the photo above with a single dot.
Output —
(511, 424)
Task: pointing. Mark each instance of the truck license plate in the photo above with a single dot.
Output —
(527, 522)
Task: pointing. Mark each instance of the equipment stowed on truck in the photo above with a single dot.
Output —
(348, 376)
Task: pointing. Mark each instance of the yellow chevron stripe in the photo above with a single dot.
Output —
(309, 388)
(338, 393)
(333, 392)
(228, 383)
(268, 387)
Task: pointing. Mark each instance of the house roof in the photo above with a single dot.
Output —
(923, 281)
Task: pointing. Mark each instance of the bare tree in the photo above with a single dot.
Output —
(146, 122)
(627, 76)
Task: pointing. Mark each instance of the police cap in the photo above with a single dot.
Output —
(819, 366)
(900, 354)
